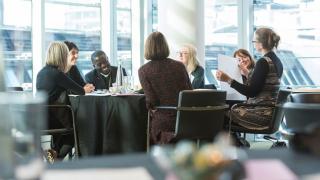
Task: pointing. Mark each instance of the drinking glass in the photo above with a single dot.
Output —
(128, 83)
(24, 115)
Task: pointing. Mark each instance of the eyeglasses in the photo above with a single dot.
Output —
(182, 53)
(254, 41)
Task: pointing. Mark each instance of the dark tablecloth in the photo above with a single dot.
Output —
(110, 124)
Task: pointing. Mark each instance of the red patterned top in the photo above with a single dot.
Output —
(162, 80)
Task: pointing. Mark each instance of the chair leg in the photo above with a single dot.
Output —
(76, 144)
(198, 143)
(148, 134)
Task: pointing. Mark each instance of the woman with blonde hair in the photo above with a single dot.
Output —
(53, 80)
(162, 79)
(188, 56)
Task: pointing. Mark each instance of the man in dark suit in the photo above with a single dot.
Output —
(103, 74)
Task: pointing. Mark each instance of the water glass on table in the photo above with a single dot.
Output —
(128, 83)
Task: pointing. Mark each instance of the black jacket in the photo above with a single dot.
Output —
(75, 75)
(101, 82)
(55, 82)
(198, 81)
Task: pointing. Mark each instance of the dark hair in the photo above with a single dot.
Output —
(71, 45)
(156, 47)
(268, 38)
(97, 55)
(246, 53)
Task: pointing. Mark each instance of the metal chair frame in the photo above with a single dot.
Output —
(62, 131)
(179, 134)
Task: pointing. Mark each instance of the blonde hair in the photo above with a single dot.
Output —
(192, 60)
(156, 47)
(57, 55)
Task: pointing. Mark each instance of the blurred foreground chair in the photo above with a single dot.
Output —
(302, 122)
(302, 113)
(277, 117)
(64, 131)
(200, 115)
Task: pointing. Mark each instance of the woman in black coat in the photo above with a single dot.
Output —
(53, 80)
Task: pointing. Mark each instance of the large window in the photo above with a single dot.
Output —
(79, 22)
(221, 33)
(124, 34)
(15, 40)
(295, 22)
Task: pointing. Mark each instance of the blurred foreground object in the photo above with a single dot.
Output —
(219, 160)
(22, 117)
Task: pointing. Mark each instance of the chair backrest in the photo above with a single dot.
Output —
(278, 112)
(277, 116)
(313, 97)
(200, 114)
(303, 112)
(63, 111)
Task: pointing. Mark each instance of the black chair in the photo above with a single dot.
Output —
(14, 88)
(277, 117)
(308, 97)
(200, 115)
(302, 113)
(64, 131)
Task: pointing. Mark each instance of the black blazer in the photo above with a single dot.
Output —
(101, 82)
(75, 75)
(198, 81)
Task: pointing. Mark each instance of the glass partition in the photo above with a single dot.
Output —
(79, 22)
(124, 33)
(15, 38)
(295, 22)
(221, 33)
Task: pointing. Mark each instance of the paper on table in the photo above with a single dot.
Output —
(94, 93)
(229, 65)
(98, 174)
(266, 169)
(127, 94)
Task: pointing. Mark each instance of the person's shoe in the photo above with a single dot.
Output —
(240, 141)
(50, 155)
(243, 143)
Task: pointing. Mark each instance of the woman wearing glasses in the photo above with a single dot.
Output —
(188, 56)
(262, 87)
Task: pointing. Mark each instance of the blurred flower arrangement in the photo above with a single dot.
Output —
(205, 163)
